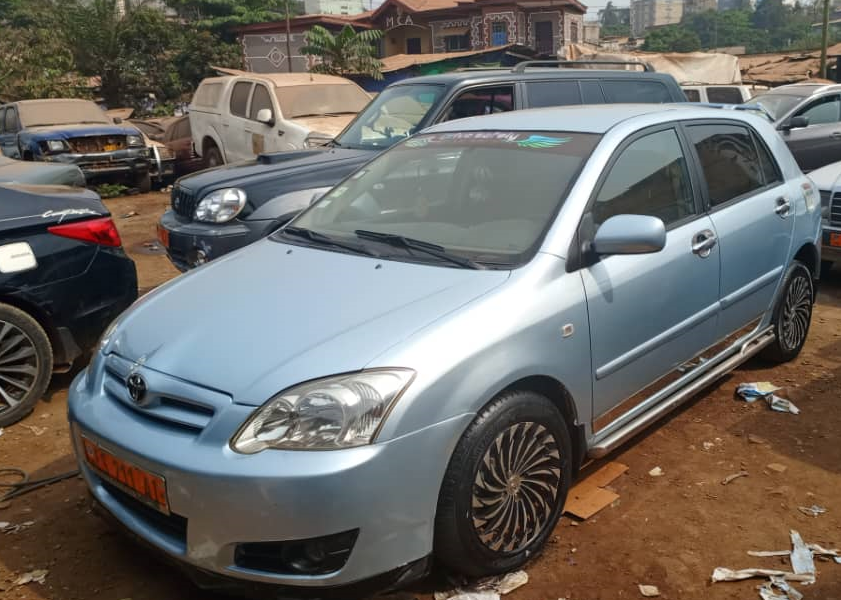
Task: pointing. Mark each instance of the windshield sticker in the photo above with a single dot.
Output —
(542, 141)
(523, 139)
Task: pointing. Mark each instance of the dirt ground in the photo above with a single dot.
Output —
(669, 531)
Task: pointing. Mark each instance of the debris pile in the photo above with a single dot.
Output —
(749, 392)
(490, 588)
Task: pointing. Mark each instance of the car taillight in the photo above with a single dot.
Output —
(97, 231)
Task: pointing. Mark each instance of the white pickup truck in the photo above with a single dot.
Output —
(236, 117)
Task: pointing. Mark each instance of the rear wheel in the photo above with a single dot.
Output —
(505, 486)
(212, 157)
(143, 183)
(792, 315)
(26, 364)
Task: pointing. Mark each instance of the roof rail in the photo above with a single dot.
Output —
(521, 66)
(460, 69)
(750, 106)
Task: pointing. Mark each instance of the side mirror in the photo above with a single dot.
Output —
(264, 115)
(795, 123)
(630, 234)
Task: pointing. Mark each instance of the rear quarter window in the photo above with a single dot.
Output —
(692, 95)
(724, 95)
(635, 90)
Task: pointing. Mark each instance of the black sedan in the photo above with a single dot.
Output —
(63, 278)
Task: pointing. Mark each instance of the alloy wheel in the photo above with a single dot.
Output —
(797, 312)
(516, 487)
(18, 365)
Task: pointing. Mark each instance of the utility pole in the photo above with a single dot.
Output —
(824, 37)
(289, 38)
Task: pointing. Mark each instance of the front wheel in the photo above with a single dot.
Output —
(143, 183)
(505, 486)
(792, 315)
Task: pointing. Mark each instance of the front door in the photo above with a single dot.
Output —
(752, 210)
(543, 42)
(649, 313)
(819, 143)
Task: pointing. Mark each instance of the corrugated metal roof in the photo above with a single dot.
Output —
(402, 61)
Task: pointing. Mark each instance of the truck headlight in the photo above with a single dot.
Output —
(57, 146)
(134, 140)
(220, 206)
(327, 414)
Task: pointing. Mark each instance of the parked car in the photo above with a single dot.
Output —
(808, 116)
(237, 117)
(720, 94)
(495, 327)
(75, 132)
(63, 278)
(178, 138)
(828, 181)
(18, 171)
(220, 210)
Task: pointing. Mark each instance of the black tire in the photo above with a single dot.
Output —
(143, 183)
(792, 315)
(469, 536)
(22, 337)
(212, 157)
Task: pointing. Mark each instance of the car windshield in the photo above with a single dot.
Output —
(485, 196)
(320, 99)
(776, 104)
(392, 116)
(61, 112)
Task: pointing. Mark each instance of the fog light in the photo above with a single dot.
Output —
(197, 258)
(314, 556)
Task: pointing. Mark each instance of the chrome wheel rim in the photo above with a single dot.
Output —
(797, 311)
(18, 366)
(516, 487)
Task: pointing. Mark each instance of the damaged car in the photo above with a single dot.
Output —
(417, 365)
(75, 132)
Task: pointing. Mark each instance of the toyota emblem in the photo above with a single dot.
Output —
(136, 387)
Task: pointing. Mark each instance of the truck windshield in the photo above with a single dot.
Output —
(61, 112)
(392, 116)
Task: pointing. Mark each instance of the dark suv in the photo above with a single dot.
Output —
(219, 210)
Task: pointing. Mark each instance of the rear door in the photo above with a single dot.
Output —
(262, 139)
(752, 210)
(649, 313)
(819, 143)
(237, 126)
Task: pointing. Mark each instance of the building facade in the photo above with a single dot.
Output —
(334, 7)
(428, 27)
(646, 14)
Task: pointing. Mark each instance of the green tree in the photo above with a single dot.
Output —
(726, 28)
(221, 15)
(613, 23)
(671, 38)
(344, 53)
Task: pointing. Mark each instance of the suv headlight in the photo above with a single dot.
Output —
(327, 414)
(220, 206)
(57, 146)
(134, 140)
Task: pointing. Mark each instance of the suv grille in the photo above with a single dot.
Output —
(183, 201)
(835, 209)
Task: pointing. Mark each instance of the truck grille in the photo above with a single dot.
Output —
(183, 201)
(97, 143)
(835, 209)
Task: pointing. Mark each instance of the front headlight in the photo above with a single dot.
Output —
(328, 414)
(57, 146)
(135, 140)
(220, 206)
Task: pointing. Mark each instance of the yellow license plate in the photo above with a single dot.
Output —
(138, 482)
(111, 147)
(835, 239)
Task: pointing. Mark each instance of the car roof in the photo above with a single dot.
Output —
(803, 89)
(492, 75)
(53, 100)
(285, 79)
(598, 118)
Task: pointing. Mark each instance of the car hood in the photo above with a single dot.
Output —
(331, 125)
(272, 315)
(19, 171)
(275, 174)
(55, 132)
(825, 177)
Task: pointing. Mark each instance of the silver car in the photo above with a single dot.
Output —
(419, 363)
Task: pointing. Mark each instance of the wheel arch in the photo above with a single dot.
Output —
(808, 254)
(36, 312)
(211, 139)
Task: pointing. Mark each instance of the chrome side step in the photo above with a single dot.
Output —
(627, 431)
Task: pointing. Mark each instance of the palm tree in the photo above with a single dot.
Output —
(344, 53)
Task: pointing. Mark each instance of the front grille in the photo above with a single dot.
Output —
(183, 201)
(97, 143)
(172, 526)
(835, 209)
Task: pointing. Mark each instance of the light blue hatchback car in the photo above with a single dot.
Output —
(420, 362)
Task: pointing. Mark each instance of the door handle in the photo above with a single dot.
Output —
(703, 243)
(783, 207)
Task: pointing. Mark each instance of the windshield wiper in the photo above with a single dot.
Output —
(420, 246)
(320, 238)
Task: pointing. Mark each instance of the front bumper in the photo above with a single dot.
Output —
(190, 244)
(829, 252)
(221, 499)
(128, 162)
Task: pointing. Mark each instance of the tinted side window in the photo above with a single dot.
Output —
(591, 92)
(553, 93)
(2, 113)
(482, 101)
(770, 169)
(633, 90)
(692, 95)
(724, 95)
(821, 111)
(10, 121)
(729, 160)
(649, 178)
(239, 98)
(260, 100)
